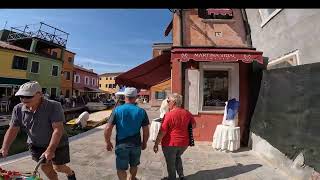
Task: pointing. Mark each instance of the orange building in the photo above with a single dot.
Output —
(67, 70)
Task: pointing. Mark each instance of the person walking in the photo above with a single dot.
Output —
(174, 135)
(128, 119)
(42, 120)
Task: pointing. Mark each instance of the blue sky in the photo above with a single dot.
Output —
(107, 40)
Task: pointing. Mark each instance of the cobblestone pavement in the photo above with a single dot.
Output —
(91, 161)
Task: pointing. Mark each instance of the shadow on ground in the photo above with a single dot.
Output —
(222, 173)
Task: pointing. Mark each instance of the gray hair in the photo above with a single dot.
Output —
(177, 98)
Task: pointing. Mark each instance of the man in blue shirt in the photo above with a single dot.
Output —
(128, 119)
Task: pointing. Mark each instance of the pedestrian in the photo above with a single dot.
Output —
(128, 119)
(174, 135)
(42, 120)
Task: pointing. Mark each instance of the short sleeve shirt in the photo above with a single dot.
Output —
(175, 124)
(38, 124)
(128, 119)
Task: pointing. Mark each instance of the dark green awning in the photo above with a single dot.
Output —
(13, 81)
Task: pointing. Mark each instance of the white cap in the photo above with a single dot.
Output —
(29, 89)
(130, 92)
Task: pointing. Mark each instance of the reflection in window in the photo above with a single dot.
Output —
(215, 89)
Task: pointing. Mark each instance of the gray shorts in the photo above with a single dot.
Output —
(62, 154)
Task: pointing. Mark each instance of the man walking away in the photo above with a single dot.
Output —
(128, 119)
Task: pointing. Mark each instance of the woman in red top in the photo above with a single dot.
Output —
(174, 135)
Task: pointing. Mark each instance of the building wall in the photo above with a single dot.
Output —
(82, 84)
(202, 32)
(164, 86)
(67, 67)
(288, 31)
(105, 80)
(44, 77)
(6, 59)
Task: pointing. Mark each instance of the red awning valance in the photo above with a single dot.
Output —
(147, 74)
(216, 55)
(224, 12)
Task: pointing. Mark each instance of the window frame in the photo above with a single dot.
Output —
(57, 70)
(51, 91)
(38, 67)
(66, 72)
(233, 82)
(75, 78)
(56, 54)
(85, 80)
(93, 81)
(266, 18)
(294, 55)
(24, 68)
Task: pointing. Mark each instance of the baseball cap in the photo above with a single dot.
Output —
(130, 92)
(29, 89)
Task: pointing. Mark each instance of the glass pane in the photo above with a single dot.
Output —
(270, 11)
(215, 89)
(55, 71)
(35, 67)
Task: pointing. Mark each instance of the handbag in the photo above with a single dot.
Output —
(191, 139)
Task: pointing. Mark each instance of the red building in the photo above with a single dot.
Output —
(210, 62)
(85, 81)
(212, 51)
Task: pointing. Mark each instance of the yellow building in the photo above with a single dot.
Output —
(13, 68)
(159, 92)
(107, 82)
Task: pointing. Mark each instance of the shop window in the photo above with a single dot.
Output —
(20, 62)
(35, 67)
(160, 95)
(291, 59)
(55, 70)
(215, 13)
(215, 89)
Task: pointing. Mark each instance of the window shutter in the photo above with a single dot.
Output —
(192, 90)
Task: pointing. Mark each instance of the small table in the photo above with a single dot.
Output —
(226, 138)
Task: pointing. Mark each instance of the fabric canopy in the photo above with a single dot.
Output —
(147, 74)
(13, 81)
(89, 89)
(220, 12)
(217, 55)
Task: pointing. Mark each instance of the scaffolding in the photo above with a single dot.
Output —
(42, 31)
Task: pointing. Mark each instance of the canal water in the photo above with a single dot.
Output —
(19, 145)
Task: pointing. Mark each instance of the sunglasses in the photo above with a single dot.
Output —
(26, 97)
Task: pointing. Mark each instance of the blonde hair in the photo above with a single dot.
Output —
(177, 98)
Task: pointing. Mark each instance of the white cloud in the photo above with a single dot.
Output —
(85, 60)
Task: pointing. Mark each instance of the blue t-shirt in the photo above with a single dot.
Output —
(128, 119)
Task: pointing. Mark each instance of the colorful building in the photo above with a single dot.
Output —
(13, 68)
(211, 61)
(107, 82)
(37, 61)
(85, 82)
(67, 58)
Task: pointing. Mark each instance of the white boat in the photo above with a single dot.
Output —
(95, 106)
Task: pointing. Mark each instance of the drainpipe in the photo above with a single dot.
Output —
(181, 28)
(247, 27)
